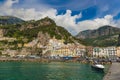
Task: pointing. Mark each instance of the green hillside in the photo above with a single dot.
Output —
(29, 30)
(6, 20)
(103, 36)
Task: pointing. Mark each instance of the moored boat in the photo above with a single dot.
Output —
(98, 66)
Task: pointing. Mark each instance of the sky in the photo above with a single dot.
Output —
(74, 15)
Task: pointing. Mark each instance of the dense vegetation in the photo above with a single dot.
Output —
(29, 30)
(6, 20)
(104, 41)
(103, 36)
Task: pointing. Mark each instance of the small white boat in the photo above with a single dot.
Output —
(98, 66)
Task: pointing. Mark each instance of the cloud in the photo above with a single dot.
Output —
(96, 23)
(26, 14)
(9, 3)
(66, 20)
(69, 22)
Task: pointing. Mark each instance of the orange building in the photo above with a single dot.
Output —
(89, 50)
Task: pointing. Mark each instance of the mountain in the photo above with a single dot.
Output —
(102, 31)
(5, 20)
(103, 36)
(30, 30)
(33, 37)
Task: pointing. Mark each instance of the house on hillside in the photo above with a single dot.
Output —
(10, 53)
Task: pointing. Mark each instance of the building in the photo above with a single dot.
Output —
(89, 51)
(118, 51)
(110, 52)
(31, 44)
(80, 51)
(59, 48)
(62, 52)
(65, 50)
(8, 52)
(1, 33)
(96, 52)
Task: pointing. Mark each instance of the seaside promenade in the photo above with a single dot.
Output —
(113, 73)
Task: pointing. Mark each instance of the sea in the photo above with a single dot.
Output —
(49, 71)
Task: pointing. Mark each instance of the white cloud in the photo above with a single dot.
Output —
(69, 22)
(26, 14)
(96, 23)
(65, 20)
(9, 3)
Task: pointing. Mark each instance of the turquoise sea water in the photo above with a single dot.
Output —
(48, 71)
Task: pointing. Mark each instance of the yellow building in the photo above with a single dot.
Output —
(64, 51)
(118, 51)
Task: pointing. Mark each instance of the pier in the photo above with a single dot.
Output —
(113, 73)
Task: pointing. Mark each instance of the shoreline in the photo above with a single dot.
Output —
(113, 72)
(42, 60)
(48, 60)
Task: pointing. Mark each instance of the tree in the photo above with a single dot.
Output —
(39, 52)
(118, 44)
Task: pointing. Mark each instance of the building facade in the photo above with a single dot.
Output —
(89, 51)
(118, 51)
(110, 52)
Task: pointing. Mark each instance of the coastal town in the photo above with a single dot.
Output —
(44, 46)
(59, 39)
(58, 48)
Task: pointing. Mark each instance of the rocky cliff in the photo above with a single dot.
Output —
(103, 36)
(29, 30)
(102, 31)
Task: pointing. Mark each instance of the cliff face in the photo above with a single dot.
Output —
(31, 37)
(102, 31)
(30, 29)
(103, 36)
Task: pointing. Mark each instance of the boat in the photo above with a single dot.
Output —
(98, 66)
(67, 57)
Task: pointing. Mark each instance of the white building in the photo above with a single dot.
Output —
(58, 48)
(80, 52)
(104, 52)
(9, 52)
(112, 51)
